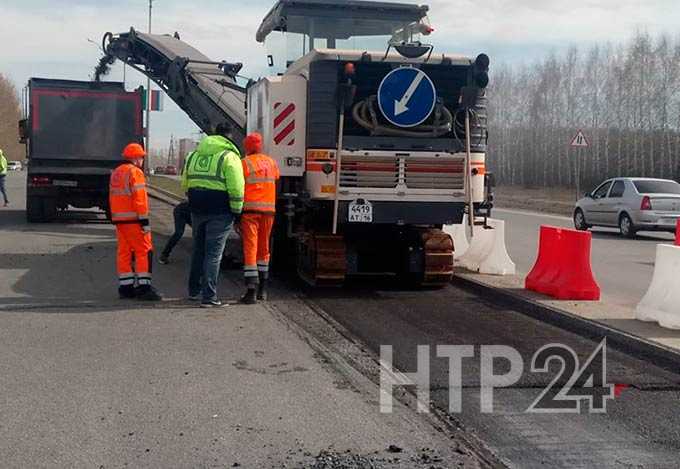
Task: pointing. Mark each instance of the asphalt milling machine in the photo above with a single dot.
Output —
(380, 139)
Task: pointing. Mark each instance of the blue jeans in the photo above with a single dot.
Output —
(210, 234)
(2, 188)
(181, 221)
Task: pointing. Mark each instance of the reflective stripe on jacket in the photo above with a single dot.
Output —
(3, 164)
(261, 173)
(216, 166)
(127, 195)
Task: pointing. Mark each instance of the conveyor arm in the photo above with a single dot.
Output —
(206, 90)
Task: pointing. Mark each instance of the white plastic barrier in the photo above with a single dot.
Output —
(662, 302)
(459, 235)
(487, 253)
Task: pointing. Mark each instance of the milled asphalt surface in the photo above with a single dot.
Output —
(88, 380)
(623, 267)
(641, 428)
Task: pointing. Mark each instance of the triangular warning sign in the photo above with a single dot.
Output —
(579, 140)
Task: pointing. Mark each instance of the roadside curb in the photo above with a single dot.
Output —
(658, 354)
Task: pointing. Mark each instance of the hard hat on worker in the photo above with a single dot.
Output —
(133, 151)
(253, 143)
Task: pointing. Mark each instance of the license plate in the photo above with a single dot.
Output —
(360, 211)
(62, 183)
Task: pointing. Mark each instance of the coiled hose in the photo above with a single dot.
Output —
(365, 114)
(459, 126)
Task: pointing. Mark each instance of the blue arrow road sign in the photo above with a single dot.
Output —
(406, 97)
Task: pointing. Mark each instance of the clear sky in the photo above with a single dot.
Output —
(49, 38)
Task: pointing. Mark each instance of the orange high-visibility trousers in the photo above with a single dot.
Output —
(134, 247)
(256, 229)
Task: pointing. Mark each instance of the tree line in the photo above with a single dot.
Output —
(10, 113)
(625, 98)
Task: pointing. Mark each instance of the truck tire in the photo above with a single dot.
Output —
(49, 209)
(40, 209)
(34, 210)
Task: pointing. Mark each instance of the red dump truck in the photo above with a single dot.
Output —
(74, 133)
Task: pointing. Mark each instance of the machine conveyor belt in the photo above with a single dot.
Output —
(206, 90)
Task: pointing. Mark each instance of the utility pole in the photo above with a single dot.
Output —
(171, 151)
(148, 106)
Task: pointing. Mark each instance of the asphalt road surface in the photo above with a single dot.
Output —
(641, 428)
(88, 380)
(623, 267)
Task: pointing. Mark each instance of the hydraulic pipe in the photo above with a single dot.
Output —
(468, 175)
(338, 165)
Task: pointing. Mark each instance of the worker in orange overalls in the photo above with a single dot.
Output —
(129, 206)
(259, 206)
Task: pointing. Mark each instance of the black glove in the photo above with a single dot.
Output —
(237, 218)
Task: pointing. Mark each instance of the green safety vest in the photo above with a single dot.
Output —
(216, 165)
(3, 164)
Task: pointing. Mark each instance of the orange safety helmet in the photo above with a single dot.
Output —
(253, 143)
(133, 151)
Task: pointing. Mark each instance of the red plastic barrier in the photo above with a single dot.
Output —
(677, 233)
(576, 280)
(546, 267)
(562, 269)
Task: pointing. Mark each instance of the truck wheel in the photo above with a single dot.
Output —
(283, 251)
(34, 210)
(50, 209)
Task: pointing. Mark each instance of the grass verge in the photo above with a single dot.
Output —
(555, 200)
(168, 184)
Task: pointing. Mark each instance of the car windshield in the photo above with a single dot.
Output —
(657, 187)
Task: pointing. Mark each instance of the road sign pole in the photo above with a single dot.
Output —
(578, 173)
(579, 142)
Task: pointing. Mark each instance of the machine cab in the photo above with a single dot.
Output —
(358, 72)
(294, 28)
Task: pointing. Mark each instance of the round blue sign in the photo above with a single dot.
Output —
(406, 97)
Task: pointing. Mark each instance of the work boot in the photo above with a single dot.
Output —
(164, 259)
(249, 297)
(126, 292)
(147, 293)
(211, 304)
(262, 291)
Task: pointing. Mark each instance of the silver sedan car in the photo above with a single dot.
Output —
(632, 205)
